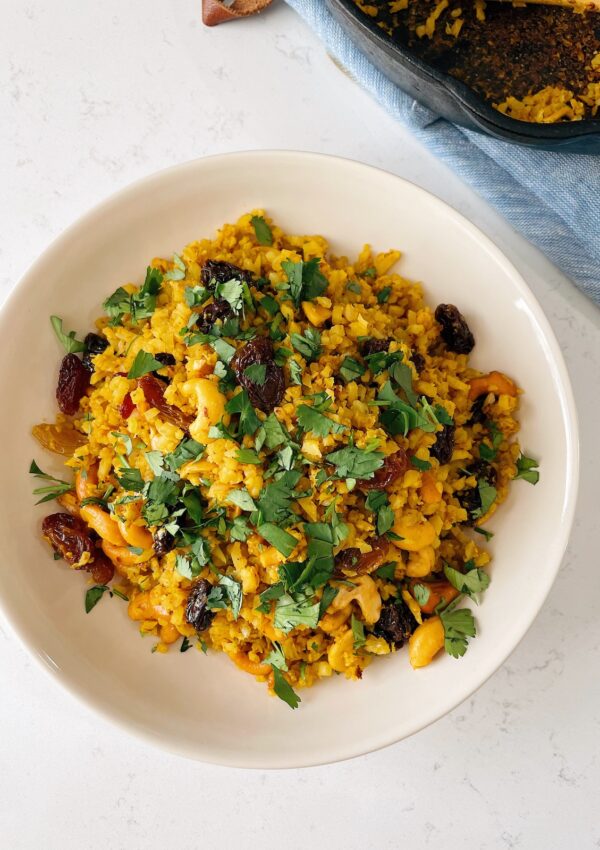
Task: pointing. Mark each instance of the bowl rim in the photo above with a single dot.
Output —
(17, 624)
(524, 131)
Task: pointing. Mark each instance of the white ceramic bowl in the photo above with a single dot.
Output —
(202, 706)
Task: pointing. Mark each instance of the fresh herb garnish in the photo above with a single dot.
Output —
(351, 369)
(185, 644)
(386, 571)
(67, 340)
(474, 581)
(277, 537)
(138, 306)
(52, 491)
(94, 595)
(257, 373)
(248, 456)
(487, 496)
(352, 462)
(423, 465)
(295, 372)
(290, 612)
(195, 296)
(358, 633)
(249, 421)
(262, 231)
(176, 273)
(384, 294)
(143, 364)
(377, 501)
(459, 626)
(487, 534)
(421, 593)
(276, 591)
(496, 436)
(242, 499)
(527, 469)
(313, 420)
(284, 690)
(305, 281)
(308, 344)
(187, 450)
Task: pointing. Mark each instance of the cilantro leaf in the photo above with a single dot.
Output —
(276, 591)
(178, 272)
(257, 373)
(358, 632)
(240, 530)
(262, 231)
(352, 462)
(316, 422)
(487, 495)
(187, 450)
(496, 436)
(242, 499)
(140, 305)
(308, 344)
(386, 571)
(421, 593)
(52, 491)
(384, 294)
(377, 501)
(487, 534)
(249, 421)
(402, 374)
(195, 296)
(277, 537)
(276, 658)
(471, 582)
(351, 369)
(268, 303)
(295, 372)
(290, 613)
(272, 433)
(94, 595)
(284, 690)
(248, 456)
(527, 469)
(130, 478)
(233, 589)
(459, 626)
(143, 364)
(305, 281)
(423, 465)
(67, 340)
(231, 291)
(329, 594)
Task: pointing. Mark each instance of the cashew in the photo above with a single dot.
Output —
(365, 593)
(341, 653)
(416, 532)
(210, 404)
(421, 563)
(425, 642)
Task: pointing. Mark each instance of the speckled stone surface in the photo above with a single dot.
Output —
(93, 96)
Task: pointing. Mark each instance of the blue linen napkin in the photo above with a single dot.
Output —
(553, 199)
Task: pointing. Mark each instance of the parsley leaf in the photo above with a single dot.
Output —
(471, 582)
(284, 690)
(277, 537)
(52, 491)
(68, 341)
(143, 364)
(308, 345)
(358, 633)
(527, 469)
(262, 231)
(458, 627)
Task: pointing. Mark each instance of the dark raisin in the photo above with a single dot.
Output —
(69, 537)
(154, 394)
(196, 612)
(127, 406)
(483, 471)
(470, 501)
(396, 623)
(101, 569)
(265, 396)
(94, 344)
(394, 466)
(374, 346)
(419, 361)
(444, 444)
(354, 561)
(478, 414)
(219, 310)
(163, 542)
(73, 381)
(455, 331)
(214, 271)
(165, 359)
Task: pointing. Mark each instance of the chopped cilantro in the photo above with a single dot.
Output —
(421, 593)
(52, 491)
(308, 344)
(423, 465)
(248, 456)
(242, 499)
(354, 286)
(329, 594)
(527, 469)
(94, 595)
(370, 272)
(487, 495)
(272, 434)
(277, 537)
(195, 296)
(130, 478)
(276, 658)
(310, 419)
(471, 582)
(305, 281)
(351, 369)
(284, 690)
(233, 590)
(185, 644)
(178, 272)
(67, 340)
(358, 632)
(143, 364)
(295, 372)
(249, 421)
(276, 591)
(401, 373)
(487, 534)
(240, 530)
(231, 291)
(352, 462)
(459, 626)
(257, 373)
(223, 350)
(496, 436)
(269, 304)
(262, 231)
(138, 306)
(384, 294)
(187, 450)
(386, 571)
(290, 612)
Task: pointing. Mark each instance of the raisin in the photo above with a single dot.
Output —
(196, 612)
(394, 466)
(219, 310)
(154, 394)
(418, 361)
(478, 414)
(101, 569)
(127, 406)
(214, 271)
(165, 359)
(396, 623)
(69, 537)
(163, 542)
(354, 561)
(483, 471)
(444, 444)
(455, 331)
(94, 344)
(470, 498)
(374, 346)
(265, 396)
(73, 381)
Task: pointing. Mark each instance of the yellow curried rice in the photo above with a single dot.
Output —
(248, 509)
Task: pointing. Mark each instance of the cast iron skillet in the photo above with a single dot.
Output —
(451, 98)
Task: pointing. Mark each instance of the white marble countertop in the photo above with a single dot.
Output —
(92, 96)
